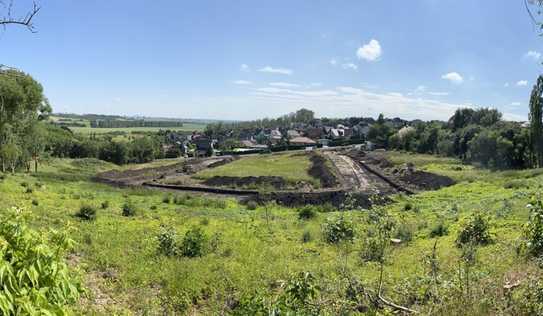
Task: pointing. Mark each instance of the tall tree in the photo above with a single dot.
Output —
(536, 128)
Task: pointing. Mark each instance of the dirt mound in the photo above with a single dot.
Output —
(320, 170)
(421, 179)
(244, 182)
(137, 176)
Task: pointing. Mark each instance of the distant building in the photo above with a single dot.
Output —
(302, 141)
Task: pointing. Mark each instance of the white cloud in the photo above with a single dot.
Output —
(333, 62)
(515, 103)
(438, 94)
(350, 66)
(522, 83)
(242, 82)
(282, 71)
(245, 68)
(370, 51)
(353, 101)
(453, 77)
(533, 55)
(284, 84)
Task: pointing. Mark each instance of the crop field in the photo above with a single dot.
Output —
(293, 167)
(253, 251)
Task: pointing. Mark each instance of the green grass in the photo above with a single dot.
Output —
(291, 167)
(118, 257)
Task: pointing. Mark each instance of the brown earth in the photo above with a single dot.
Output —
(275, 182)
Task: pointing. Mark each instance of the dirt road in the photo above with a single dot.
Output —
(352, 175)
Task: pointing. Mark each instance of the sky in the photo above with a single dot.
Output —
(247, 59)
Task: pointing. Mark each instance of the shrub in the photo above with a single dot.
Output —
(167, 199)
(36, 278)
(204, 221)
(194, 243)
(129, 209)
(167, 241)
(475, 231)
(338, 229)
(404, 232)
(306, 236)
(24, 184)
(87, 212)
(29, 190)
(153, 207)
(35, 202)
(439, 230)
(408, 206)
(105, 205)
(307, 212)
(373, 250)
(252, 205)
(533, 230)
(39, 184)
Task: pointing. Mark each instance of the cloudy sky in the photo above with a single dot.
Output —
(247, 59)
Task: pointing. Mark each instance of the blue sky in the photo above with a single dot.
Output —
(248, 59)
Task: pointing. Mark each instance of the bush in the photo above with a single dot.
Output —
(167, 241)
(307, 212)
(252, 205)
(166, 199)
(194, 243)
(35, 278)
(29, 190)
(129, 209)
(204, 221)
(35, 202)
(533, 231)
(338, 229)
(306, 236)
(408, 206)
(153, 207)
(105, 205)
(373, 250)
(87, 212)
(404, 232)
(475, 231)
(439, 230)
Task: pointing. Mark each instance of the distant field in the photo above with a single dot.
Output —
(291, 167)
(187, 127)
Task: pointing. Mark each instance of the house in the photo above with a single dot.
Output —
(314, 132)
(302, 141)
(293, 133)
(204, 145)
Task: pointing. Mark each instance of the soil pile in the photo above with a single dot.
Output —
(320, 170)
(247, 182)
(421, 179)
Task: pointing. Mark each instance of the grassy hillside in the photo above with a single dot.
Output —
(256, 251)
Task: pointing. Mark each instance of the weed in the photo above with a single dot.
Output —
(129, 209)
(338, 229)
(439, 230)
(87, 212)
(475, 231)
(307, 212)
(167, 241)
(194, 243)
(35, 202)
(306, 236)
(252, 205)
(105, 205)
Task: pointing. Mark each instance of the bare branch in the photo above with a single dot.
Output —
(26, 21)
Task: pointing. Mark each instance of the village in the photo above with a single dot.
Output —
(296, 136)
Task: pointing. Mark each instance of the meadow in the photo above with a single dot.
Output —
(253, 255)
(293, 167)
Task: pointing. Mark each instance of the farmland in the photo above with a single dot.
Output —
(251, 250)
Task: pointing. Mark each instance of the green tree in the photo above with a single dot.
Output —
(536, 127)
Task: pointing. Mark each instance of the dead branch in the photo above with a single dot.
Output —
(26, 21)
(387, 302)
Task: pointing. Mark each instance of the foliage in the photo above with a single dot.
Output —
(475, 231)
(167, 239)
(338, 229)
(252, 205)
(33, 272)
(307, 212)
(533, 231)
(87, 212)
(194, 243)
(129, 208)
(439, 230)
